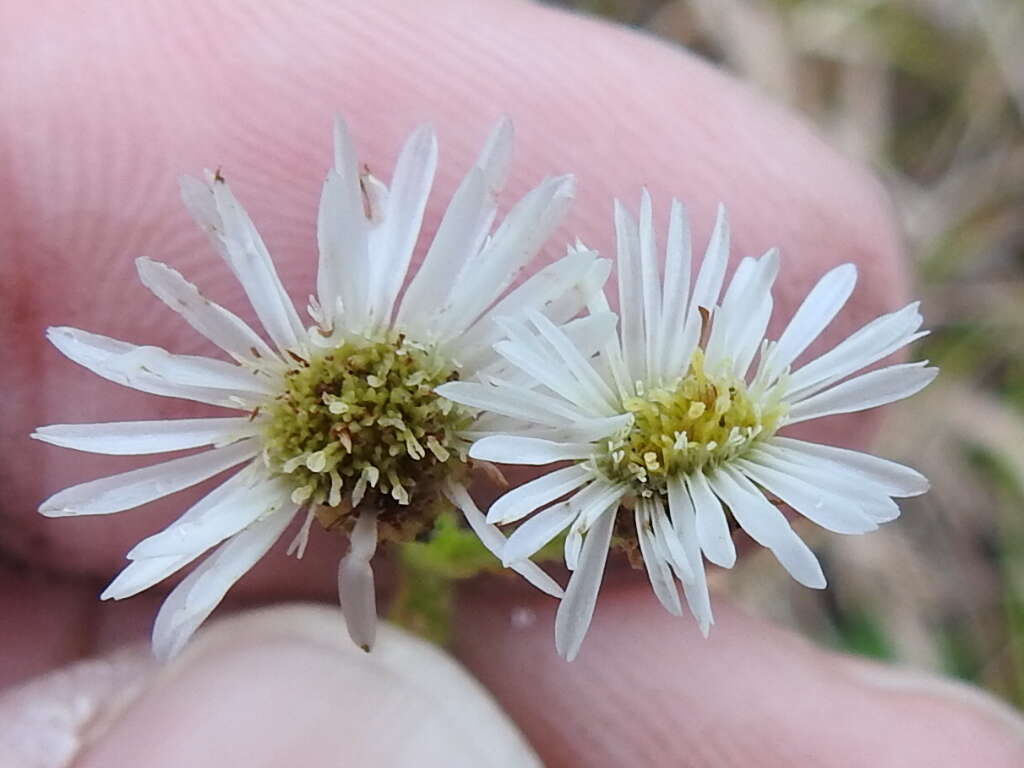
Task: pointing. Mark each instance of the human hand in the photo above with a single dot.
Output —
(113, 102)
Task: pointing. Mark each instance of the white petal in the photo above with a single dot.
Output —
(483, 279)
(897, 479)
(342, 233)
(140, 486)
(767, 526)
(154, 370)
(131, 438)
(355, 582)
(712, 269)
(223, 328)
(631, 306)
(577, 607)
(511, 401)
(588, 381)
(462, 231)
(658, 571)
(243, 248)
(495, 541)
(203, 589)
(885, 385)
(667, 539)
(521, 501)
(813, 502)
(140, 575)
(677, 287)
(536, 532)
(510, 449)
(711, 525)
(392, 244)
(876, 340)
(822, 304)
(696, 590)
(212, 521)
(541, 290)
(649, 284)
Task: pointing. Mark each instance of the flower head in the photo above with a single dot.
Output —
(672, 430)
(341, 419)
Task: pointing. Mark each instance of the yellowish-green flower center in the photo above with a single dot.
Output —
(360, 425)
(699, 423)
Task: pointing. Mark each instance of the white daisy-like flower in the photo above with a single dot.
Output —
(696, 438)
(340, 419)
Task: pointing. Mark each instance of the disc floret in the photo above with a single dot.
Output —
(360, 424)
(700, 422)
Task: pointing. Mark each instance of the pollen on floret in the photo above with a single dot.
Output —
(360, 424)
(698, 423)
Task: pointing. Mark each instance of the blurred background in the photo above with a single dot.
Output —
(930, 94)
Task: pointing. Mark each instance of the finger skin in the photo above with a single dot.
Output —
(175, 87)
(316, 701)
(648, 690)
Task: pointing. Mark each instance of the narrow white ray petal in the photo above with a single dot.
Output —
(592, 500)
(822, 304)
(712, 269)
(495, 540)
(512, 449)
(538, 292)
(589, 334)
(140, 575)
(668, 540)
(198, 530)
(355, 582)
(143, 573)
(885, 385)
(611, 352)
(342, 235)
(740, 323)
(452, 244)
(649, 284)
(395, 239)
(711, 525)
(597, 390)
(584, 430)
(222, 327)
(524, 499)
(897, 479)
(482, 280)
(532, 358)
(577, 607)
(748, 333)
(767, 526)
(678, 258)
(536, 532)
(132, 438)
(631, 312)
(248, 258)
(658, 570)
(515, 402)
(140, 486)
(813, 502)
(155, 371)
(203, 589)
(684, 518)
(461, 233)
(681, 346)
(874, 341)
(832, 478)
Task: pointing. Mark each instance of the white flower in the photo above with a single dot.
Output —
(672, 425)
(339, 419)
